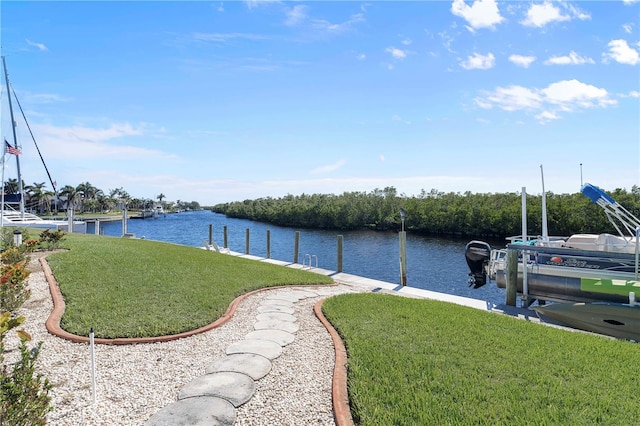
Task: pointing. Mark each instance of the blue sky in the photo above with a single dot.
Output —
(224, 101)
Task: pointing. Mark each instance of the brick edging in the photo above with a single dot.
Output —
(53, 322)
(339, 393)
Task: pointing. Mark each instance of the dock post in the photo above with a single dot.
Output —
(210, 235)
(96, 229)
(340, 254)
(224, 231)
(403, 258)
(246, 249)
(268, 244)
(296, 247)
(512, 276)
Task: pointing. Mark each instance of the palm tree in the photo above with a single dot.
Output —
(72, 195)
(11, 186)
(120, 197)
(35, 195)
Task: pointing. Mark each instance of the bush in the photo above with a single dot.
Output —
(13, 283)
(24, 397)
(6, 236)
(51, 240)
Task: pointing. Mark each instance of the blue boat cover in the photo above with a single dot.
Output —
(594, 193)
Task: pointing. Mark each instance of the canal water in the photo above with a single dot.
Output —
(436, 264)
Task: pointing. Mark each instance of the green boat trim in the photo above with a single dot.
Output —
(610, 286)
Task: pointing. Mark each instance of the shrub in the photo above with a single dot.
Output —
(13, 283)
(6, 236)
(24, 397)
(51, 240)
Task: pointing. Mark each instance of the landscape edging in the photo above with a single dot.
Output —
(339, 392)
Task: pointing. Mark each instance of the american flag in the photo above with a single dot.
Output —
(10, 149)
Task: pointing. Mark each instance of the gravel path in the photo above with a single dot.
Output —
(135, 381)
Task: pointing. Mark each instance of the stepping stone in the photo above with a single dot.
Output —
(302, 294)
(288, 326)
(272, 300)
(283, 338)
(276, 316)
(285, 298)
(254, 366)
(201, 411)
(237, 388)
(266, 348)
(276, 308)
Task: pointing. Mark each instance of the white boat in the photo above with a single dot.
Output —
(19, 217)
(29, 220)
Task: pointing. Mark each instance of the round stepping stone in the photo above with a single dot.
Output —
(302, 294)
(266, 348)
(237, 388)
(275, 308)
(201, 411)
(287, 326)
(254, 366)
(276, 316)
(275, 301)
(281, 337)
(284, 297)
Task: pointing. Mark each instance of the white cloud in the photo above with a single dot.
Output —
(396, 53)
(572, 59)
(396, 117)
(478, 61)
(547, 116)
(323, 25)
(86, 142)
(620, 51)
(225, 37)
(361, 56)
(522, 61)
(40, 46)
(481, 14)
(634, 94)
(629, 2)
(628, 28)
(562, 96)
(571, 93)
(329, 168)
(540, 15)
(406, 41)
(296, 15)
(511, 98)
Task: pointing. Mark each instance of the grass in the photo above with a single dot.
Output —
(419, 362)
(138, 288)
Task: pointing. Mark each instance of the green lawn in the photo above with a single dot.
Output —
(422, 362)
(410, 361)
(137, 288)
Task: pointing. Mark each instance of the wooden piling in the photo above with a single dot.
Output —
(340, 253)
(210, 235)
(225, 239)
(246, 249)
(296, 246)
(268, 244)
(403, 257)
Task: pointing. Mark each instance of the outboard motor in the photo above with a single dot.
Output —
(477, 254)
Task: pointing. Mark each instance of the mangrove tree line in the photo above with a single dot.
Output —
(435, 213)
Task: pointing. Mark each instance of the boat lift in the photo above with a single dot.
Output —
(615, 212)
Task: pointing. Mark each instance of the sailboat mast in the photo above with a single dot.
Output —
(545, 231)
(15, 138)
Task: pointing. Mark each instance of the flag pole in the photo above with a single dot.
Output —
(15, 139)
